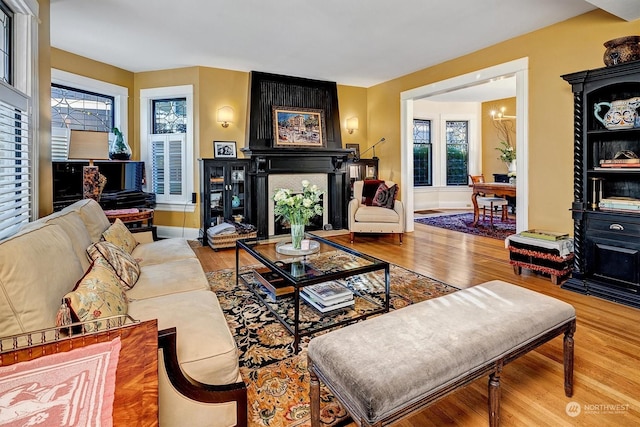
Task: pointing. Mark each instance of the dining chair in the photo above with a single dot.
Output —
(491, 202)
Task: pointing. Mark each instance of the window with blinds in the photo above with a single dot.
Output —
(15, 163)
(167, 166)
(18, 79)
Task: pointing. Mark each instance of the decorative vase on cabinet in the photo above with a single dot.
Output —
(119, 149)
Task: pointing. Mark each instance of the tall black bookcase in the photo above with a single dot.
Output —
(607, 242)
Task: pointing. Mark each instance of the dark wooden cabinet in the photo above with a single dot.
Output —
(358, 170)
(224, 192)
(607, 242)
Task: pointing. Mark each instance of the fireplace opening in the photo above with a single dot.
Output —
(315, 223)
(293, 181)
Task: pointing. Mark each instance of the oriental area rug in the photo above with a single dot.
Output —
(464, 224)
(276, 377)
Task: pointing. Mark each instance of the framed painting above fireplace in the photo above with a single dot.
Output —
(298, 127)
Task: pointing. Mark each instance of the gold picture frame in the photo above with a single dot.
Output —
(298, 127)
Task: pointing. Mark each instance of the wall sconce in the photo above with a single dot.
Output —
(500, 115)
(225, 116)
(352, 124)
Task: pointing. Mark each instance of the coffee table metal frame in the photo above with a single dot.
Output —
(299, 283)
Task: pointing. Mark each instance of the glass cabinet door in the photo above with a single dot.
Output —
(237, 185)
(217, 193)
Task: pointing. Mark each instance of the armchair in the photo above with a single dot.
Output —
(374, 219)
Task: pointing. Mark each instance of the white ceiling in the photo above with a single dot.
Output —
(351, 42)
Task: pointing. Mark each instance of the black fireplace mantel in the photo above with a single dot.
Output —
(266, 162)
(269, 90)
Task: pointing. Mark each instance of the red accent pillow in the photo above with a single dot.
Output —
(385, 196)
(369, 190)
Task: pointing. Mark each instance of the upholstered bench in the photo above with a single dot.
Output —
(388, 367)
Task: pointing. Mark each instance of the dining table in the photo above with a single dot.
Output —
(499, 189)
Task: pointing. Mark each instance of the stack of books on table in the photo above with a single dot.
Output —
(624, 204)
(274, 285)
(327, 296)
(544, 235)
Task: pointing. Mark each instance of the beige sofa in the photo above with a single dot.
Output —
(43, 262)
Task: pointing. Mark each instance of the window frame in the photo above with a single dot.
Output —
(88, 92)
(446, 154)
(430, 160)
(119, 93)
(175, 204)
(22, 94)
(440, 147)
(10, 37)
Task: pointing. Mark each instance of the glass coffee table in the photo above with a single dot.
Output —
(322, 287)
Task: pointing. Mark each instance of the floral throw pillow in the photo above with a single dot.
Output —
(122, 263)
(119, 235)
(97, 295)
(385, 196)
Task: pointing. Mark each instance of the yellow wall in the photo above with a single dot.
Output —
(43, 136)
(490, 140)
(569, 46)
(352, 102)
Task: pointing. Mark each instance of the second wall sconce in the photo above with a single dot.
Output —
(225, 116)
(352, 124)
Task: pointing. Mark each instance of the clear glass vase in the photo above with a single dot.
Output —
(297, 234)
(119, 149)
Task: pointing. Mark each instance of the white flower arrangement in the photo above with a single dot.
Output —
(507, 152)
(298, 208)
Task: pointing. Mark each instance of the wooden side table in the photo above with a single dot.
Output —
(133, 218)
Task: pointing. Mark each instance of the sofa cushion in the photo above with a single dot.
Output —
(385, 196)
(163, 251)
(123, 264)
(206, 349)
(169, 278)
(74, 226)
(37, 267)
(97, 295)
(369, 189)
(93, 216)
(119, 235)
(376, 214)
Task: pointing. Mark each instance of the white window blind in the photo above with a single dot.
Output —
(60, 144)
(167, 166)
(15, 162)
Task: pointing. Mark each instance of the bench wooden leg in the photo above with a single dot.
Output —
(352, 235)
(494, 396)
(517, 269)
(568, 359)
(314, 394)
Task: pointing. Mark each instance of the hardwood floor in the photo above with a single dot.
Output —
(607, 339)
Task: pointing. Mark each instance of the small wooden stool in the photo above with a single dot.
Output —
(554, 258)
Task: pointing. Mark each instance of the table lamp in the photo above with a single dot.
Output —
(90, 145)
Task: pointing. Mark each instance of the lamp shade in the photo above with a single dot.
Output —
(225, 115)
(352, 124)
(88, 145)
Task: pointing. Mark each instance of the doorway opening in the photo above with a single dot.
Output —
(518, 69)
